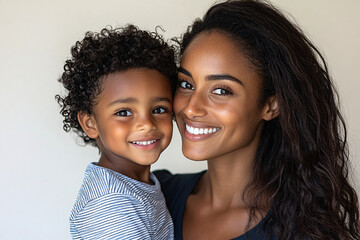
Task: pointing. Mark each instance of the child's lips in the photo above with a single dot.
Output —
(146, 144)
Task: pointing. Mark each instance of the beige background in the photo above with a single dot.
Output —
(41, 166)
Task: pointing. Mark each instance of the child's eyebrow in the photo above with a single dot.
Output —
(161, 99)
(132, 100)
(123, 100)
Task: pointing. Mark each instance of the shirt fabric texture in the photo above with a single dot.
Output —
(177, 188)
(111, 205)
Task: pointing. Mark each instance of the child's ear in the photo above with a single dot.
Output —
(271, 108)
(88, 124)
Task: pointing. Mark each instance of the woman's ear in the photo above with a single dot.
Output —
(88, 124)
(271, 108)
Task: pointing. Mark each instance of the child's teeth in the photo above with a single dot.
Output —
(145, 142)
(199, 131)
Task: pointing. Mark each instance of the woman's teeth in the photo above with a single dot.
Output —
(144, 142)
(198, 131)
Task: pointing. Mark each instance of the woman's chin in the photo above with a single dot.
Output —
(194, 155)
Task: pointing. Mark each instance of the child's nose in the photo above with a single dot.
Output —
(146, 122)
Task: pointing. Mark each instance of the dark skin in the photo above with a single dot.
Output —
(220, 90)
(205, 219)
(131, 121)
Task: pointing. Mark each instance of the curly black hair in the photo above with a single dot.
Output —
(99, 54)
(301, 164)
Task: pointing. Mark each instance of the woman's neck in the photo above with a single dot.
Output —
(225, 182)
(218, 199)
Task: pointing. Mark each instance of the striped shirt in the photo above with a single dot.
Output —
(113, 206)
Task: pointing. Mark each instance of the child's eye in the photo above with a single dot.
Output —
(160, 110)
(185, 85)
(222, 91)
(124, 113)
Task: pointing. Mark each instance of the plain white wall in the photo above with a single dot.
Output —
(41, 165)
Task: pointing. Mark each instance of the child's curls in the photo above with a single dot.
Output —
(99, 54)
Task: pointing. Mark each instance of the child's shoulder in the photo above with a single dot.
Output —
(99, 181)
(102, 183)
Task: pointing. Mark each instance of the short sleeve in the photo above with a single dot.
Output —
(113, 216)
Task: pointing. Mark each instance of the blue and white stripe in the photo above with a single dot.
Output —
(113, 206)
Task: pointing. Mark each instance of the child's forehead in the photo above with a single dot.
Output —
(136, 83)
(134, 77)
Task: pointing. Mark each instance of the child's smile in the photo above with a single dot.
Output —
(132, 119)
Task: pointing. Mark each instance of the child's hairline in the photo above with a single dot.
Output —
(103, 77)
(152, 51)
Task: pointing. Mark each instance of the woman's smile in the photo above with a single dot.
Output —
(216, 103)
(195, 131)
(200, 131)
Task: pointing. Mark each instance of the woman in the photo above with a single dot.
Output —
(254, 101)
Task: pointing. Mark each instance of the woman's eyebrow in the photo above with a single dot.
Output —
(183, 71)
(223, 77)
(212, 76)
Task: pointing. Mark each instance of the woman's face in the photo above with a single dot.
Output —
(216, 104)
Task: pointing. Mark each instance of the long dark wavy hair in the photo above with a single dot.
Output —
(301, 164)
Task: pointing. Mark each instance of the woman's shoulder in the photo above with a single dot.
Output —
(177, 181)
(177, 187)
(166, 176)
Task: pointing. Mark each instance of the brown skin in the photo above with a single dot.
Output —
(230, 104)
(133, 106)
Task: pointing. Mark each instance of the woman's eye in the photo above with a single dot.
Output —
(160, 110)
(185, 85)
(222, 91)
(124, 113)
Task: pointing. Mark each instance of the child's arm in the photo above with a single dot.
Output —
(113, 216)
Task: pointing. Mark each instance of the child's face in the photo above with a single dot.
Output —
(133, 118)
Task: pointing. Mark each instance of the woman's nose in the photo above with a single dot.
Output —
(195, 106)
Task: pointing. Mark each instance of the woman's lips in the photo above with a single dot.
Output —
(199, 133)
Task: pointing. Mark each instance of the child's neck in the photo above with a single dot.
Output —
(130, 169)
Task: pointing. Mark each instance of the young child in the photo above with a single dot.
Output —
(120, 84)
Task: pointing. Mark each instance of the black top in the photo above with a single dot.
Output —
(177, 188)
